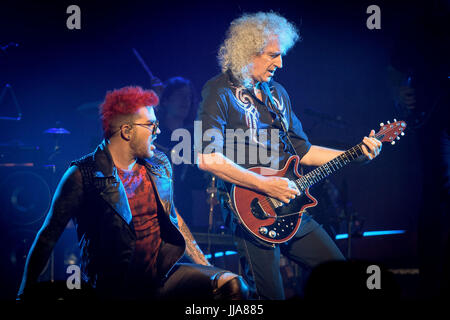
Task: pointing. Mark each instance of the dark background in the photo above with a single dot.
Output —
(340, 70)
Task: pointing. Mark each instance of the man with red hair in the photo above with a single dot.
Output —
(120, 198)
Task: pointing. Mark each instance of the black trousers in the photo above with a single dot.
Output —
(185, 281)
(188, 281)
(261, 264)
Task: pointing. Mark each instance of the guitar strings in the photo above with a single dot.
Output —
(306, 181)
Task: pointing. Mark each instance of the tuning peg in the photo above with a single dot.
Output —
(398, 138)
(388, 122)
(381, 124)
(395, 120)
(402, 134)
(393, 142)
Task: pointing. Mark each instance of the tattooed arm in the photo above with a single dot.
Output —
(193, 251)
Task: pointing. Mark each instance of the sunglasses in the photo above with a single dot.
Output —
(153, 127)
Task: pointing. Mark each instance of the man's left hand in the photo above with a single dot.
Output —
(371, 146)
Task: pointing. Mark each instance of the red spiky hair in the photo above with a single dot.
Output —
(124, 101)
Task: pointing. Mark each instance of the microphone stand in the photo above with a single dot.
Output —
(348, 216)
(212, 200)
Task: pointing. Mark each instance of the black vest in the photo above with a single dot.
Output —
(104, 224)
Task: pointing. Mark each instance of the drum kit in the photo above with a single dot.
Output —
(28, 179)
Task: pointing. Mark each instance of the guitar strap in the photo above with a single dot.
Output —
(273, 106)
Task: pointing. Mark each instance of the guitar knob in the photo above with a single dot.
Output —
(389, 122)
(393, 142)
(263, 230)
(395, 120)
(398, 138)
(272, 234)
(381, 124)
(402, 134)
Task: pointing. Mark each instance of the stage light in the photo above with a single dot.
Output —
(221, 254)
(371, 233)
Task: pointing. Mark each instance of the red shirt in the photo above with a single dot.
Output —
(144, 209)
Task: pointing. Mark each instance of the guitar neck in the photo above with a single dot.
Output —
(320, 173)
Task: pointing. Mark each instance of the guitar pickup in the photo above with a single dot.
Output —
(258, 211)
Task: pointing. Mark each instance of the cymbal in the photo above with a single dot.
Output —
(57, 131)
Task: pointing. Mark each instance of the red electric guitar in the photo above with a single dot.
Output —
(274, 221)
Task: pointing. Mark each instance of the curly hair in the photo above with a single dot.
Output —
(124, 102)
(248, 35)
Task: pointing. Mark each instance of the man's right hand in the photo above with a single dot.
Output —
(280, 188)
(276, 187)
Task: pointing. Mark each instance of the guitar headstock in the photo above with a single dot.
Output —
(390, 132)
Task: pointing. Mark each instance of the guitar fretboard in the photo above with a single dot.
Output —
(320, 173)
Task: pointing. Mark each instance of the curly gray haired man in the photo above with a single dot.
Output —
(245, 96)
(248, 36)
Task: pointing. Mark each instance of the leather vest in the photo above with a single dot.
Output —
(104, 224)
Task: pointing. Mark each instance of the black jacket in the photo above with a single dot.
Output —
(92, 194)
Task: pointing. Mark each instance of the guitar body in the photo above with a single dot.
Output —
(267, 218)
(276, 222)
